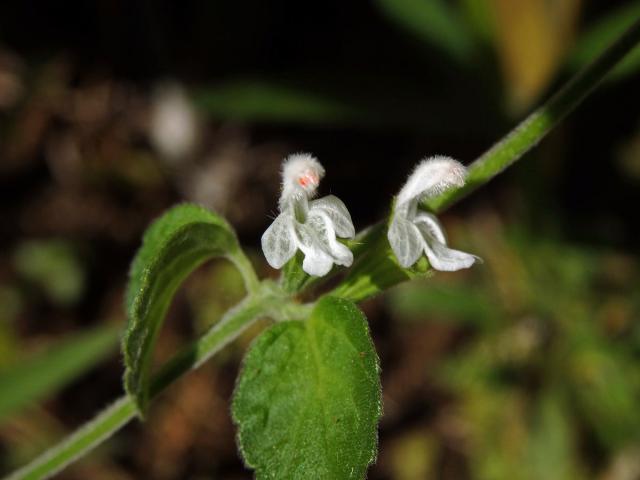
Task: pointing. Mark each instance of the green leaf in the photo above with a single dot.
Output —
(175, 244)
(43, 373)
(308, 400)
(434, 21)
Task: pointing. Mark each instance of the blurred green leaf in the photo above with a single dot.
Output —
(498, 418)
(11, 304)
(413, 454)
(480, 17)
(551, 448)
(54, 266)
(45, 372)
(605, 30)
(173, 246)
(308, 400)
(273, 101)
(208, 309)
(457, 302)
(556, 372)
(606, 386)
(354, 99)
(434, 21)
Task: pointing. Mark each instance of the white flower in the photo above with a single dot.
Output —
(311, 226)
(412, 231)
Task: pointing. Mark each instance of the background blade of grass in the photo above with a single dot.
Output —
(604, 31)
(46, 372)
(275, 101)
(367, 100)
(434, 21)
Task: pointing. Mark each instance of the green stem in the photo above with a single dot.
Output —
(114, 417)
(243, 264)
(530, 131)
(91, 434)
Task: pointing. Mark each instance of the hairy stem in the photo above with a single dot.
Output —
(533, 128)
(243, 264)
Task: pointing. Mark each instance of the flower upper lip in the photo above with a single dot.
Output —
(412, 232)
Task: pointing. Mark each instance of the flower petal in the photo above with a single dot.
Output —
(446, 259)
(316, 264)
(323, 227)
(341, 254)
(432, 177)
(338, 213)
(278, 242)
(405, 240)
(442, 257)
(433, 226)
(317, 261)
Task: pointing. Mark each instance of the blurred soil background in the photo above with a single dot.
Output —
(524, 367)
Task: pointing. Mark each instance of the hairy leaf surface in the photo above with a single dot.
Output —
(308, 400)
(174, 245)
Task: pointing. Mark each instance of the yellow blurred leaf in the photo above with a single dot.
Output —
(413, 455)
(532, 37)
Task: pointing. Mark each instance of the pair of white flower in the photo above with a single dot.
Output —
(314, 225)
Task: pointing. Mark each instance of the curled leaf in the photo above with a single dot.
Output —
(175, 245)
